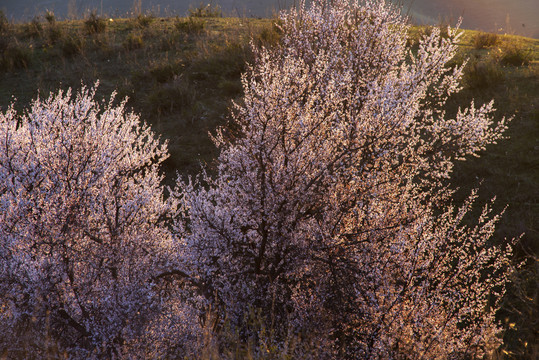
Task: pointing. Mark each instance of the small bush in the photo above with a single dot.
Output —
(4, 23)
(50, 17)
(190, 25)
(165, 71)
(94, 24)
(483, 40)
(55, 34)
(33, 29)
(72, 45)
(133, 41)
(144, 20)
(269, 35)
(15, 57)
(512, 54)
(168, 42)
(206, 11)
(482, 74)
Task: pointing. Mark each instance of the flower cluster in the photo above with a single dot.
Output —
(82, 228)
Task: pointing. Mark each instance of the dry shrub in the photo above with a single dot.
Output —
(133, 41)
(270, 35)
(94, 24)
(513, 54)
(484, 40)
(144, 20)
(206, 11)
(190, 25)
(14, 57)
(50, 17)
(4, 23)
(33, 29)
(482, 74)
(72, 45)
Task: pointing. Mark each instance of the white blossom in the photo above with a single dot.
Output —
(331, 209)
(83, 231)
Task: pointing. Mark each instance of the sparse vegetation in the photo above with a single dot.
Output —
(165, 70)
(269, 36)
(190, 25)
(481, 74)
(231, 88)
(55, 33)
(520, 314)
(205, 11)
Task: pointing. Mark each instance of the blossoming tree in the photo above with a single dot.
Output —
(330, 210)
(82, 231)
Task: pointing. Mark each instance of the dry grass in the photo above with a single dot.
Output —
(94, 24)
(480, 74)
(483, 40)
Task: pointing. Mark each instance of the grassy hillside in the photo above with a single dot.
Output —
(181, 74)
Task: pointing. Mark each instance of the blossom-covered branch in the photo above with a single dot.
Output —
(331, 210)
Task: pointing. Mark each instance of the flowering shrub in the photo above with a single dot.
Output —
(331, 213)
(82, 231)
(327, 231)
